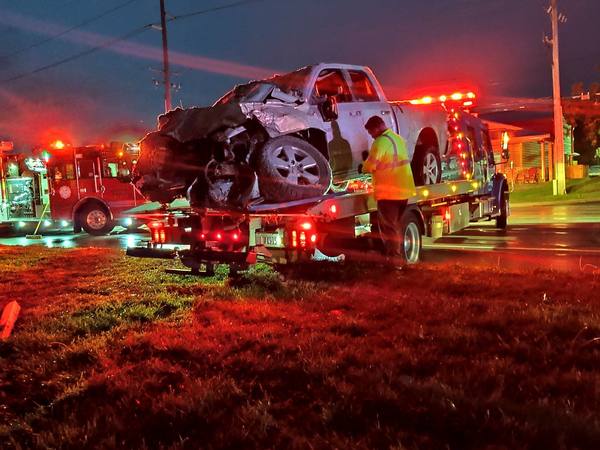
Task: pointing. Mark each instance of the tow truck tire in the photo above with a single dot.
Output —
(427, 166)
(290, 168)
(95, 219)
(502, 219)
(411, 234)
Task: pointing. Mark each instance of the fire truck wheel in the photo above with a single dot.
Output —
(290, 168)
(95, 219)
(427, 166)
(411, 233)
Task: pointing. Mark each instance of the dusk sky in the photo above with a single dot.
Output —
(493, 46)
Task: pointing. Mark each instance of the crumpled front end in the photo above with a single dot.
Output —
(209, 154)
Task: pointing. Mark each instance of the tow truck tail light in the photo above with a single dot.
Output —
(302, 239)
(158, 232)
(303, 235)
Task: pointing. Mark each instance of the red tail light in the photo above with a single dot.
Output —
(294, 238)
(302, 239)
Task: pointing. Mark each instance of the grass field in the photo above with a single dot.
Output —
(583, 189)
(111, 352)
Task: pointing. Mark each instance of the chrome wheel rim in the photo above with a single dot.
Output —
(96, 219)
(295, 165)
(412, 243)
(430, 169)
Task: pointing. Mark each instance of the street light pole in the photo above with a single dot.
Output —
(559, 180)
(166, 74)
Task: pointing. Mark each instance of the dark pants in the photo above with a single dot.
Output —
(389, 216)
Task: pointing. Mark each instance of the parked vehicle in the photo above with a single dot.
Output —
(90, 186)
(285, 138)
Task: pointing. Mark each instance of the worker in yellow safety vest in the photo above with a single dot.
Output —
(393, 183)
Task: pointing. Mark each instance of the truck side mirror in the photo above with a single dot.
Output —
(329, 109)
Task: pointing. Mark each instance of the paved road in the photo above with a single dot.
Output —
(573, 213)
(561, 237)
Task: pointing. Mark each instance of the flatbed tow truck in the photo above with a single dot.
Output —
(303, 230)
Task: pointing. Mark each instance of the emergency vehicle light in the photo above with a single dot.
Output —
(58, 145)
(466, 99)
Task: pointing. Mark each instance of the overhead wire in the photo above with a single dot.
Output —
(89, 51)
(67, 30)
(121, 38)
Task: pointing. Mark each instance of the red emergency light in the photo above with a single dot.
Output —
(58, 145)
(464, 99)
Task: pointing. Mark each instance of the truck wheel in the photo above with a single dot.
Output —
(95, 219)
(292, 169)
(427, 166)
(411, 233)
(502, 219)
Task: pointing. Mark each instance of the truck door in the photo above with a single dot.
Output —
(64, 192)
(119, 193)
(89, 174)
(347, 138)
(368, 97)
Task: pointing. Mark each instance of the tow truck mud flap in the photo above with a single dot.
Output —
(149, 252)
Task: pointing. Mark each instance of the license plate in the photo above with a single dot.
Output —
(269, 239)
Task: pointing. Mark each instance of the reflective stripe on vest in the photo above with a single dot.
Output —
(395, 162)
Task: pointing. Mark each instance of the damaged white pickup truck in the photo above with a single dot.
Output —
(285, 138)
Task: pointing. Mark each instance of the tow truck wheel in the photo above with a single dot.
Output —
(427, 166)
(95, 220)
(290, 168)
(502, 219)
(411, 233)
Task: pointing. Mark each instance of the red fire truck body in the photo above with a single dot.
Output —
(90, 186)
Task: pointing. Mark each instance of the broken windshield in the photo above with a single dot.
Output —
(257, 91)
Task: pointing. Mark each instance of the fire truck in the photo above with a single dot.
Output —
(86, 187)
(90, 186)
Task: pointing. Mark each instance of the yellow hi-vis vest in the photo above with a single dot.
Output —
(388, 162)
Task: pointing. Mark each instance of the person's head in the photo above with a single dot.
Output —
(375, 126)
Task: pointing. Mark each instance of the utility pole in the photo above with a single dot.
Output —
(559, 180)
(166, 74)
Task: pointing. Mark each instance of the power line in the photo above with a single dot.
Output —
(68, 30)
(214, 9)
(118, 39)
(105, 44)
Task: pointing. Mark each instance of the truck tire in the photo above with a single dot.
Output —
(95, 219)
(411, 233)
(290, 169)
(502, 219)
(427, 166)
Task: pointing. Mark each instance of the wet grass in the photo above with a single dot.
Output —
(582, 189)
(112, 352)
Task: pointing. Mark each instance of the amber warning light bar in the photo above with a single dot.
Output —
(464, 99)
